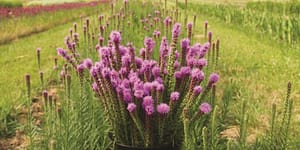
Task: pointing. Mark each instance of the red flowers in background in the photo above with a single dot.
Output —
(33, 10)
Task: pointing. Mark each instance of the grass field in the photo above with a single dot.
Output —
(260, 66)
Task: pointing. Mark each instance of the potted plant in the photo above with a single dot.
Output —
(149, 103)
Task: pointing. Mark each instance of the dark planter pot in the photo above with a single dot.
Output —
(163, 147)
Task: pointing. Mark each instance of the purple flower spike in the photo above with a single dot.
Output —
(147, 87)
(149, 109)
(176, 30)
(61, 52)
(127, 95)
(45, 94)
(160, 88)
(167, 21)
(159, 80)
(204, 108)
(197, 74)
(131, 107)
(185, 71)
(105, 72)
(205, 26)
(201, 62)
(147, 101)
(88, 63)
(126, 61)
(213, 78)
(139, 93)
(174, 96)
(149, 43)
(93, 71)
(156, 71)
(185, 43)
(163, 109)
(115, 37)
(38, 50)
(178, 75)
(190, 26)
(80, 68)
(197, 90)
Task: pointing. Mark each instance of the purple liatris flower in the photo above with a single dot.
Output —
(126, 61)
(127, 95)
(131, 107)
(147, 101)
(115, 37)
(197, 74)
(190, 26)
(147, 88)
(204, 108)
(197, 90)
(213, 78)
(149, 43)
(38, 50)
(185, 71)
(176, 30)
(201, 63)
(178, 75)
(45, 94)
(80, 68)
(93, 72)
(160, 88)
(139, 93)
(209, 37)
(105, 72)
(61, 52)
(156, 71)
(163, 109)
(88, 63)
(174, 96)
(185, 43)
(149, 109)
(167, 21)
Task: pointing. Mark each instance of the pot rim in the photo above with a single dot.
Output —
(165, 146)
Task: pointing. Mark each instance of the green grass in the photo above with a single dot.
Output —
(14, 28)
(10, 4)
(261, 67)
(19, 58)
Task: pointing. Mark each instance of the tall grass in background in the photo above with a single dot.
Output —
(281, 25)
(286, 8)
(10, 4)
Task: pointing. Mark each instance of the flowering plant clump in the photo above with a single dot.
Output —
(147, 99)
